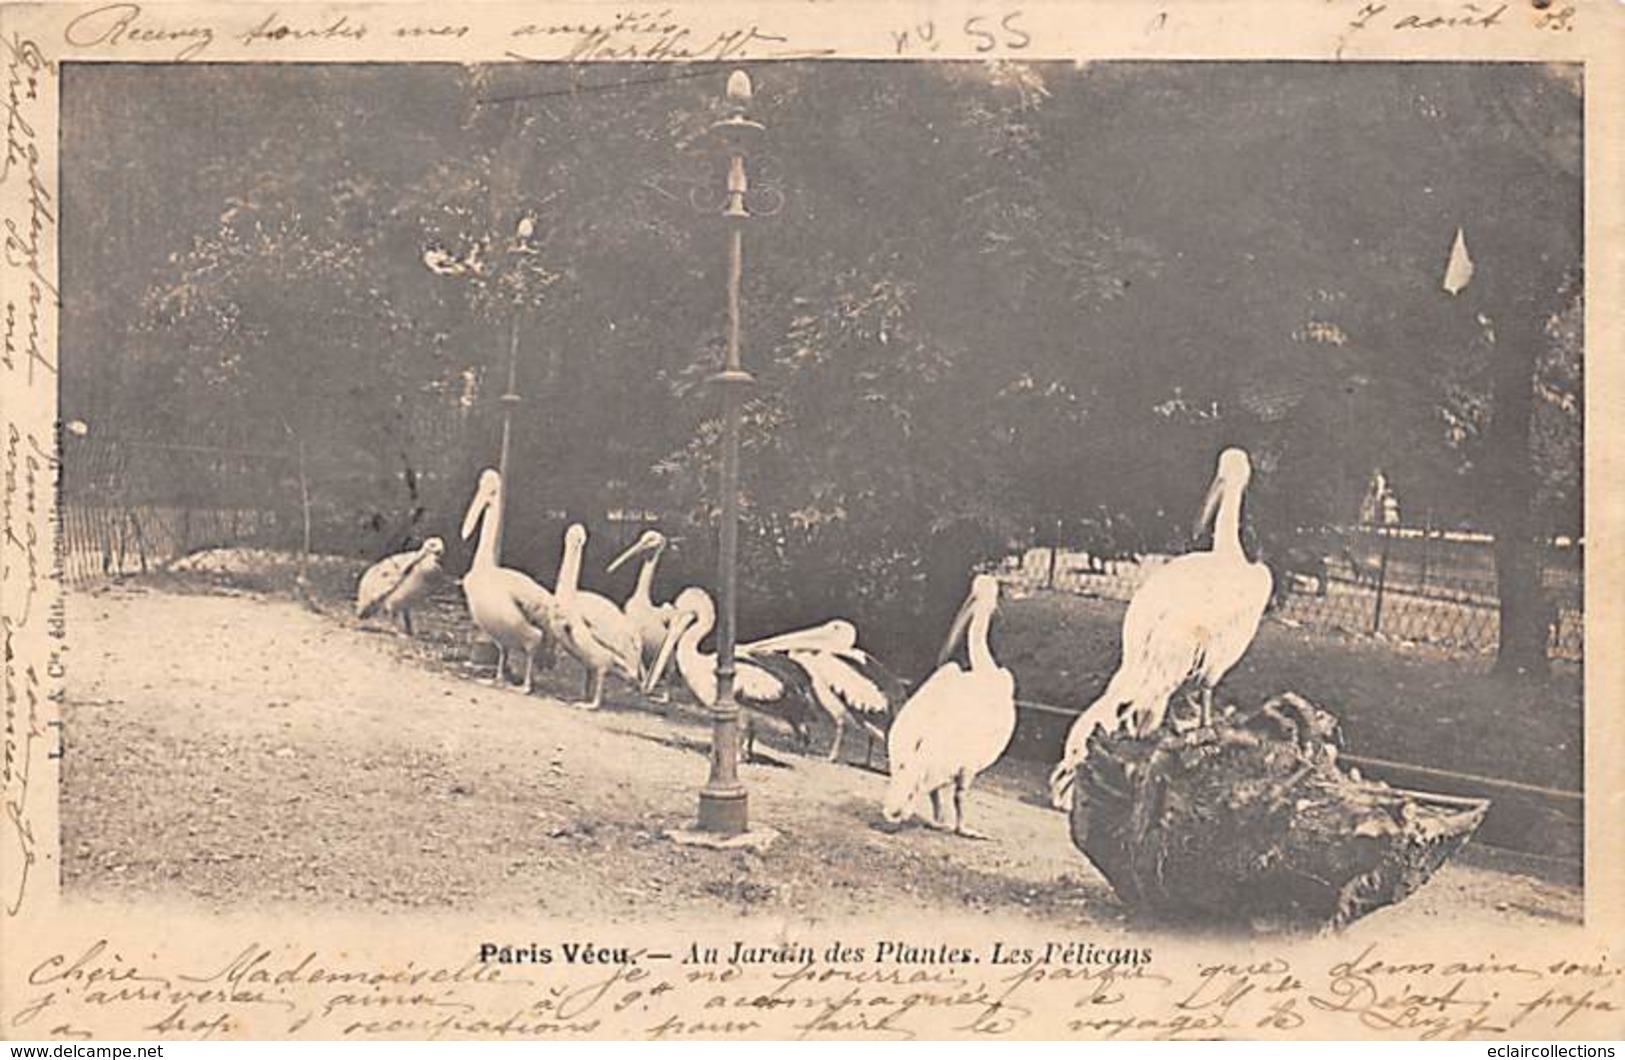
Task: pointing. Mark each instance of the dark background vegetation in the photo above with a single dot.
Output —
(999, 303)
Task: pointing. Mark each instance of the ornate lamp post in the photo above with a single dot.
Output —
(510, 399)
(517, 278)
(723, 817)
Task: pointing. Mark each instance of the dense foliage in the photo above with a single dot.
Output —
(996, 302)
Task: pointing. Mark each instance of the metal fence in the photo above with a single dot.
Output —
(1393, 583)
(132, 507)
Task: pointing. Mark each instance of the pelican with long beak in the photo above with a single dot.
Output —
(590, 626)
(1191, 621)
(835, 635)
(765, 683)
(507, 605)
(850, 684)
(956, 724)
(651, 620)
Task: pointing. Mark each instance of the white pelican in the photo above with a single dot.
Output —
(851, 685)
(835, 635)
(507, 605)
(1192, 620)
(957, 724)
(651, 619)
(767, 683)
(846, 681)
(396, 583)
(590, 626)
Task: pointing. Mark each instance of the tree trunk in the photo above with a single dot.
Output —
(1521, 648)
(1520, 283)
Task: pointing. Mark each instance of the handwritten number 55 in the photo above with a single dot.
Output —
(984, 32)
(1005, 33)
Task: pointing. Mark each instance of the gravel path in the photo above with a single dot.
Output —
(241, 751)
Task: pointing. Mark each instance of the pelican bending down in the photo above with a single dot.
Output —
(766, 683)
(650, 619)
(957, 724)
(846, 681)
(507, 605)
(835, 635)
(396, 583)
(591, 627)
(1192, 620)
(852, 686)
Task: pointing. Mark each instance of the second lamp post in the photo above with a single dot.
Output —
(723, 804)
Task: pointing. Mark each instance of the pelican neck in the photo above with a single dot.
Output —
(1227, 524)
(691, 663)
(646, 578)
(485, 549)
(569, 573)
(981, 656)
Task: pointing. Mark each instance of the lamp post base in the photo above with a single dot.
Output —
(723, 811)
(758, 840)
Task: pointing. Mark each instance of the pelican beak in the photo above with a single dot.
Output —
(476, 508)
(957, 630)
(679, 623)
(637, 548)
(1210, 504)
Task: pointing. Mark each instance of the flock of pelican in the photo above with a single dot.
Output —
(1187, 626)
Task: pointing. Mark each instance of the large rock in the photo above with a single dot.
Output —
(1253, 819)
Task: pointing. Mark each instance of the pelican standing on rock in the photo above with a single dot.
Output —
(507, 605)
(1192, 620)
(590, 626)
(650, 619)
(394, 584)
(766, 683)
(956, 725)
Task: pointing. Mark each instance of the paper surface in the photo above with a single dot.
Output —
(137, 964)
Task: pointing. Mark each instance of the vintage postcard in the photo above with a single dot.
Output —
(813, 520)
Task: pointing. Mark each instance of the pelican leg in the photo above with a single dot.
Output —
(871, 734)
(1206, 712)
(835, 742)
(1185, 718)
(1146, 724)
(530, 672)
(500, 678)
(660, 699)
(937, 820)
(406, 620)
(595, 699)
(960, 786)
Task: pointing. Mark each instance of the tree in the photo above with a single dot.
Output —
(1522, 284)
(998, 297)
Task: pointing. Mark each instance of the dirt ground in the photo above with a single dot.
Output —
(235, 750)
